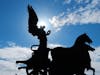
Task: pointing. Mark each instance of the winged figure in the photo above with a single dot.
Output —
(32, 21)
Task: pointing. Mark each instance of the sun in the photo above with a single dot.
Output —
(42, 23)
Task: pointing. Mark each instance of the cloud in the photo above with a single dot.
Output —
(95, 56)
(51, 46)
(67, 1)
(80, 15)
(9, 55)
(80, 1)
(11, 44)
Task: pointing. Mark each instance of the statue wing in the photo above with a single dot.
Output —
(32, 21)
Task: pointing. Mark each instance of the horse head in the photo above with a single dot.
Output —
(84, 38)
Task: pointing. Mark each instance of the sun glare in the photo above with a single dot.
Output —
(42, 23)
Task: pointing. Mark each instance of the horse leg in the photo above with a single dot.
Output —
(27, 71)
(44, 72)
(24, 68)
(80, 74)
(81, 71)
(93, 70)
(34, 72)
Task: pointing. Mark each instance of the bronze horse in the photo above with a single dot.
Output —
(73, 60)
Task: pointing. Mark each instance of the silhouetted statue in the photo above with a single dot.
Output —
(32, 21)
(73, 60)
(34, 30)
(29, 64)
(85, 60)
(66, 61)
(39, 61)
(42, 53)
(84, 57)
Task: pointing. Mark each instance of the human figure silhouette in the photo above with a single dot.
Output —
(42, 52)
(39, 62)
(34, 30)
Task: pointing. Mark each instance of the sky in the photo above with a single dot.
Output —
(67, 19)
